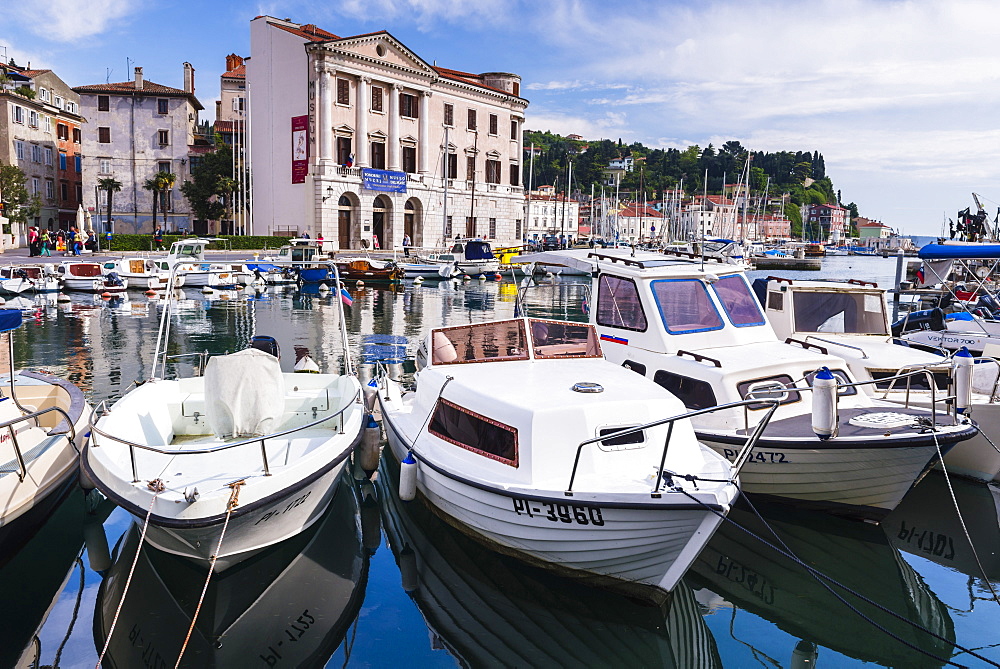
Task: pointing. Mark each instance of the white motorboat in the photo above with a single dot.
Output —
(536, 445)
(427, 270)
(17, 279)
(89, 277)
(142, 273)
(246, 455)
(270, 274)
(44, 421)
(188, 257)
(292, 605)
(467, 256)
(698, 331)
(851, 320)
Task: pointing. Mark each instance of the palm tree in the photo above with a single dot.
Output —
(152, 185)
(112, 186)
(166, 181)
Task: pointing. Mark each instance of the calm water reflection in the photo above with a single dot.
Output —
(420, 594)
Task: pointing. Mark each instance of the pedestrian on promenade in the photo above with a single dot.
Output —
(406, 245)
(158, 238)
(46, 244)
(32, 242)
(71, 241)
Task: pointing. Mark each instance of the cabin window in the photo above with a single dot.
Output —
(475, 432)
(622, 443)
(618, 304)
(685, 306)
(839, 312)
(554, 339)
(740, 305)
(775, 301)
(480, 342)
(842, 379)
(769, 388)
(694, 393)
(915, 382)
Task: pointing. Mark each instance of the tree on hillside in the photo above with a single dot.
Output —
(18, 205)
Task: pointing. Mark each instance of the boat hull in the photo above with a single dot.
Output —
(92, 285)
(633, 547)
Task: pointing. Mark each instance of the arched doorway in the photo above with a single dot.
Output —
(411, 222)
(381, 209)
(344, 209)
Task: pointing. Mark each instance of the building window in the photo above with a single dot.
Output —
(493, 228)
(103, 103)
(64, 191)
(472, 119)
(343, 92)
(344, 156)
(34, 186)
(516, 87)
(494, 124)
(513, 128)
(376, 98)
(59, 102)
(452, 166)
(17, 114)
(103, 135)
(238, 105)
(19, 149)
(492, 171)
(162, 106)
(515, 174)
(79, 193)
(410, 159)
(470, 226)
(36, 153)
(193, 163)
(71, 107)
(163, 166)
(44, 94)
(50, 189)
(62, 161)
(378, 155)
(104, 165)
(76, 135)
(163, 136)
(449, 115)
(470, 168)
(33, 118)
(47, 123)
(78, 163)
(408, 105)
(48, 156)
(447, 228)
(517, 229)
(62, 131)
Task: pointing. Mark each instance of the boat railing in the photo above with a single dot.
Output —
(737, 464)
(202, 360)
(839, 343)
(102, 410)
(22, 469)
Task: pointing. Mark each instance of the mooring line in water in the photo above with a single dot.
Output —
(234, 500)
(791, 556)
(157, 486)
(990, 441)
(961, 520)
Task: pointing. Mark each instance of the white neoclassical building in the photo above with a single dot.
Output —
(359, 139)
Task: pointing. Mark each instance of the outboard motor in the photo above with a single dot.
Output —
(929, 319)
(113, 279)
(266, 344)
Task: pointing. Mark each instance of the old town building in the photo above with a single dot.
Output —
(360, 140)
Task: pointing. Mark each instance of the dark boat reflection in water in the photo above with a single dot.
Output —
(288, 606)
(925, 524)
(489, 610)
(749, 575)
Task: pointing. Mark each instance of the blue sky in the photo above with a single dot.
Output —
(898, 96)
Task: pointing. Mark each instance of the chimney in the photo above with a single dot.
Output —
(188, 78)
(233, 61)
(138, 78)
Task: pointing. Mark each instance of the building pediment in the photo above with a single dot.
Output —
(377, 136)
(379, 48)
(343, 130)
(408, 139)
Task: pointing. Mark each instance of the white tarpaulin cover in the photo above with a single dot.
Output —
(244, 393)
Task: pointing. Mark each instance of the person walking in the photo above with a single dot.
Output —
(46, 244)
(32, 242)
(158, 238)
(406, 245)
(71, 241)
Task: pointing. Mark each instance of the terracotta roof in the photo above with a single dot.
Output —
(309, 31)
(468, 78)
(33, 73)
(240, 72)
(148, 88)
(636, 211)
(200, 148)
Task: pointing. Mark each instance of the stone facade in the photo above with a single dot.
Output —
(135, 129)
(372, 103)
(552, 215)
(42, 136)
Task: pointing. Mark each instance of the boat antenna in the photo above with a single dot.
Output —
(447, 174)
(704, 205)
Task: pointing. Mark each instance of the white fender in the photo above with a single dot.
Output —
(824, 404)
(408, 478)
(963, 380)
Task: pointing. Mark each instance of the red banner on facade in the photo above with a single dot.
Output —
(300, 149)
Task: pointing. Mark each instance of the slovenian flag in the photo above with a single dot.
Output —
(345, 297)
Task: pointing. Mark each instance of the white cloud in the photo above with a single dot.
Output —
(72, 20)
(568, 124)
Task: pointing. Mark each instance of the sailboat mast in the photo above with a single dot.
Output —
(531, 173)
(447, 157)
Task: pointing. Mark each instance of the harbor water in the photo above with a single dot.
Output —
(384, 583)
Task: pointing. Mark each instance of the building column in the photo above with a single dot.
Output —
(361, 141)
(394, 127)
(324, 113)
(520, 152)
(424, 140)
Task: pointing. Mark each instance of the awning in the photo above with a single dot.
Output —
(10, 319)
(960, 251)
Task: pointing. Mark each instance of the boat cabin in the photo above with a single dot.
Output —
(472, 249)
(815, 308)
(300, 250)
(85, 270)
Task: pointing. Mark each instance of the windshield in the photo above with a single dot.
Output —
(740, 305)
(554, 339)
(685, 306)
(480, 342)
(839, 312)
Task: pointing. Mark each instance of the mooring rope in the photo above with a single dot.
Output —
(961, 520)
(234, 500)
(157, 486)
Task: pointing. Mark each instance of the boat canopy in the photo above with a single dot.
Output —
(476, 250)
(960, 251)
(10, 319)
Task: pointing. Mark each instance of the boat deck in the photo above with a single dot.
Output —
(881, 421)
